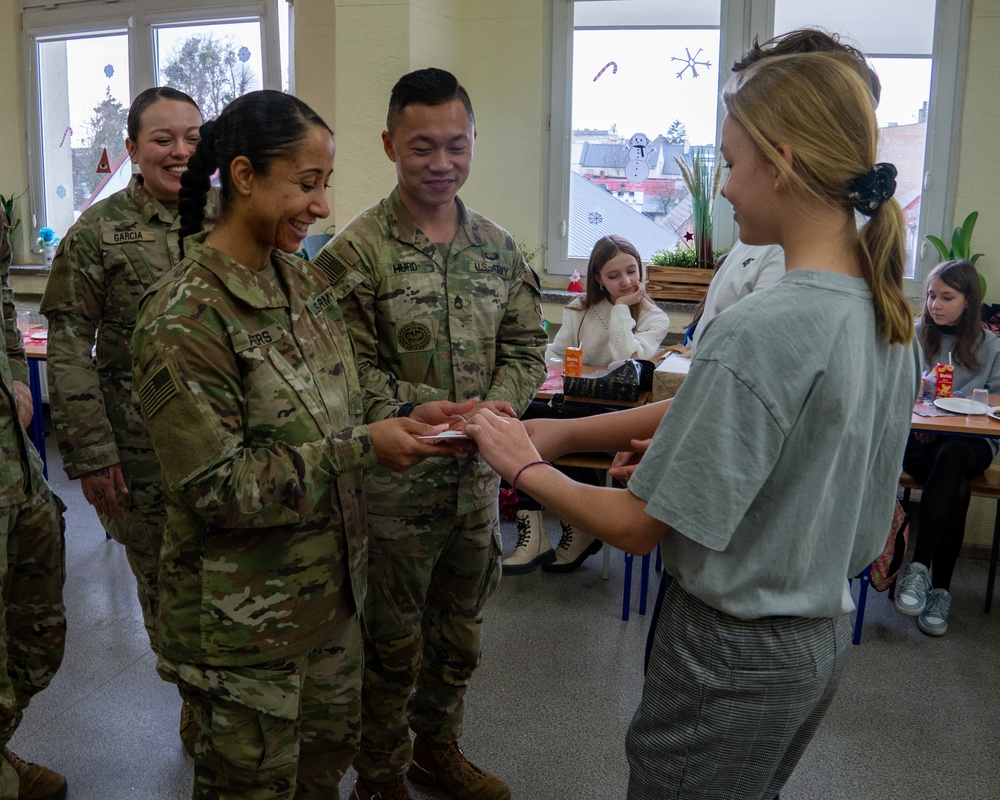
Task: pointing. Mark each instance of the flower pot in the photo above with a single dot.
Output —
(678, 283)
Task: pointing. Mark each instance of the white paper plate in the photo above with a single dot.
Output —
(994, 413)
(960, 405)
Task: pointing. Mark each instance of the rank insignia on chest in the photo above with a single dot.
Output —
(459, 303)
(413, 336)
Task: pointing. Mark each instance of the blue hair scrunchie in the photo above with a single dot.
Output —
(866, 193)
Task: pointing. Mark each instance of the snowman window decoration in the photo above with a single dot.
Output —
(639, 154)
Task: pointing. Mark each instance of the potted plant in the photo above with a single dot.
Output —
(703, 184)
(675, 274)
(961, 246)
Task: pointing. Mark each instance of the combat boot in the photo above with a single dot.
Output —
(573, 549)
(35, 782)
(532, 548)
(188, 728)
(446, 767)
(394, 789)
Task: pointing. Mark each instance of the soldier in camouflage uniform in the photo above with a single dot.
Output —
(251, 397)
(445, 308)
(117, 250)
(32, 617)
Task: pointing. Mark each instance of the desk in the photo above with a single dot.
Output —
(36, 350)
(959, 424)
(553, 385)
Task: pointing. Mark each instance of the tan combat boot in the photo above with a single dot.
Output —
(532, 548)
(35, 782)
(373, 790)
(188, 728)
(445, 766)
(573, 549)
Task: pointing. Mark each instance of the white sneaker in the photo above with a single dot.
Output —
(934, 620)
(573, 549)
(911, 594)
(532, 548)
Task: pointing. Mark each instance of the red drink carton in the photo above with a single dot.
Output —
(945, 379)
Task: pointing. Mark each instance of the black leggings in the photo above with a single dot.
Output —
(945, 466)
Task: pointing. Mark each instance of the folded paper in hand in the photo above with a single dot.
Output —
(624, 382)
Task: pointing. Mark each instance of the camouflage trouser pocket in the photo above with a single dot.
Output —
(250, 718)
(383, 616)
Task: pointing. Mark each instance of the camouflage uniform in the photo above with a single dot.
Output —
(428, 325)
(105, 263)
(32, 617)
(252, 401)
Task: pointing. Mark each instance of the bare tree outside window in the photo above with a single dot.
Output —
(212, 69)
(105, 131)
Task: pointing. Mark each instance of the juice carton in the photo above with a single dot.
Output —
(945, 379)
(574, 362)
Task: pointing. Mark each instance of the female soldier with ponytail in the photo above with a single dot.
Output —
(246, 381)
(116, 251)
(771, 479)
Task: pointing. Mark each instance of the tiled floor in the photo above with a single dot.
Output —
(915, 718)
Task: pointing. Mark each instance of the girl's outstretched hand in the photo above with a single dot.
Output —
(502, 441)
(626, 461)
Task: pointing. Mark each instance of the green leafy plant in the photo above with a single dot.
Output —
(961, 245)
(703, 183)
(529, 253)
(682, 256)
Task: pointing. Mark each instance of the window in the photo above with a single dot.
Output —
(657, 48)
(86, 59)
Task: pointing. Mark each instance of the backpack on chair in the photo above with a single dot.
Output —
(885, 567)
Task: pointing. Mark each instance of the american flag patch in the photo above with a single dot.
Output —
(157, 389)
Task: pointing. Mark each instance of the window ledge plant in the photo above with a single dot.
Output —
(961, 246)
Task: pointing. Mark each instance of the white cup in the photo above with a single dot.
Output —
(980, 402)
(554, 369)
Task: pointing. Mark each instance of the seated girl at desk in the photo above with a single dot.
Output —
(949, 328)
(614, 320)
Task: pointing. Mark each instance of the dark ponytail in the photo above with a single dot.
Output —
(262, 127)
(195, 184)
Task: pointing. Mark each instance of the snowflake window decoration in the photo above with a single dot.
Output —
(594, 218)
(691, 62)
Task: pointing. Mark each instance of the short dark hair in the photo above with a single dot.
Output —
(262, 126)
(432, 87)
(810, 40)
(146, 98)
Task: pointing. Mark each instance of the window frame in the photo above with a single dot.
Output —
(739, 19)
(137, 18)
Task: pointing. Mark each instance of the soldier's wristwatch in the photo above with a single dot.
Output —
(406, 409)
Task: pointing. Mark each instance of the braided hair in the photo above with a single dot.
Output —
(263, 127)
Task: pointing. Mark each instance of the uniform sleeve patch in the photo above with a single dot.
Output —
(157, 389)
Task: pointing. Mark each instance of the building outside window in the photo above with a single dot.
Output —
(635, 71)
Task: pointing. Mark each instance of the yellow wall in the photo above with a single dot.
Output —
(497, 50)
(13, 142)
